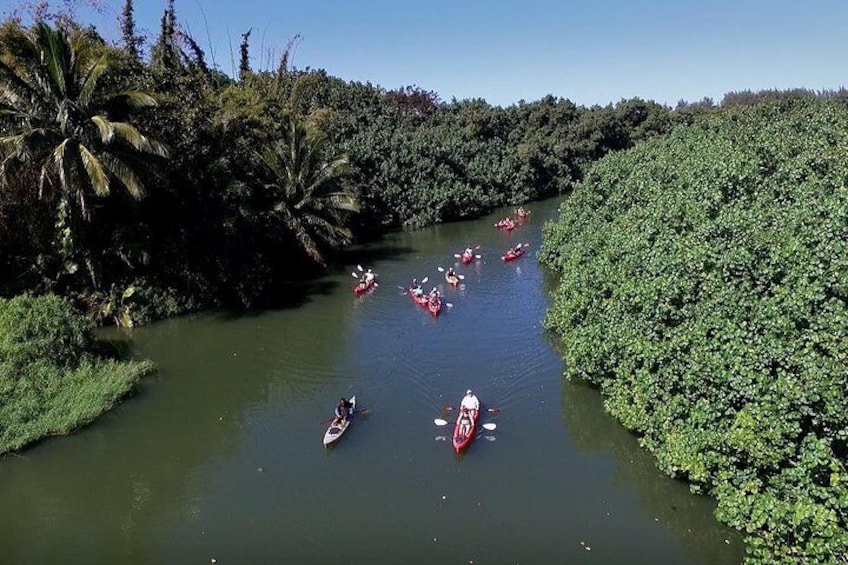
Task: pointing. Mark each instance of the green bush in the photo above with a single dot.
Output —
(44, 328)
(704, 289)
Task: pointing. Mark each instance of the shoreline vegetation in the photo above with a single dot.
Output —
(704, 291)
(54, 376)
(701, 248)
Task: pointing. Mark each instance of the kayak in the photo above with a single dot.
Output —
(466, 259)
(452, 280)
(460, 439)
(434, 306)
(522, 213)
(510, 256)
(363, 287)
(507, 225)
(334, 432)
(421, 300)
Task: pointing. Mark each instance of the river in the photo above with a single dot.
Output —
(218, 456)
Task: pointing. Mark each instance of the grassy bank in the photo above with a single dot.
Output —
(54, 376)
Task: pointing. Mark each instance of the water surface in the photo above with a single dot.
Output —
(219, 455)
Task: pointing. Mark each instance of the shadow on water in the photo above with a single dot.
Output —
(669, 502)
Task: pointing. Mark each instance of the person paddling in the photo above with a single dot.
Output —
(464, 423)
(342, 412)
(470, 401)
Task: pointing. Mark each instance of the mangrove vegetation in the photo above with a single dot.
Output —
(704, 290)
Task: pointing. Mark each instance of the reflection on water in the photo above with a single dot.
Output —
(219, 455)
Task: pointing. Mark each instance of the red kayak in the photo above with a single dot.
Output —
(512, 255)
(363, 287)
(434, 305)
(462, 435)
(507, 225)
(421, 300)
(466, 259)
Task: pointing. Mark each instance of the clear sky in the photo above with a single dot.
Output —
(590, 51)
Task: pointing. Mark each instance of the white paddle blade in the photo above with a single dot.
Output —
(457, 255)
(424, 280)
(359, 267)
(490, 427)
(355, 275)
(461, 277)
(489, 438)
(440, 422)
(440, 269)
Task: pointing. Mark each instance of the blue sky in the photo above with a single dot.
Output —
(590, 51)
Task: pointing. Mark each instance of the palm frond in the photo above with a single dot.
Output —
(96, 175)
(61, 164)
(104, 126)
(131, 135)
(54, 48)
(89, 83)
(124, 174)
(135, 99)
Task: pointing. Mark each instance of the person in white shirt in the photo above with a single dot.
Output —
(470, 401)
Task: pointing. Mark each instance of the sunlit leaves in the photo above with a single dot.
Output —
(704, 290)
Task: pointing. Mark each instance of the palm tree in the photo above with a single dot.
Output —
(307, 191)
(58, 123)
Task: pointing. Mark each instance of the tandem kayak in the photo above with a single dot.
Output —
(463, 434)
(334, 432)
(512, 255)
(363, 287)
(420, 299)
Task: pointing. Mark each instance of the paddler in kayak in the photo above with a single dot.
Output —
(464, 423)
(469, 401)
(342, 411)
(416, 288)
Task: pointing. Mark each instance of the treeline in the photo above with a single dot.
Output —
(143, 185)
(704, 290)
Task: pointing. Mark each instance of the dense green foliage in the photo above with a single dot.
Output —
(54, 377)
(705, 291)
(265, 176)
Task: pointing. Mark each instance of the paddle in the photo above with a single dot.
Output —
(357, 411)
(487, 426)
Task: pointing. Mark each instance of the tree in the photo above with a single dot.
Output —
(61, 125)
(244, 55)
(132, 42)
(306, 191)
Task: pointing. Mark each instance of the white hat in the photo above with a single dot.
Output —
(468, 391)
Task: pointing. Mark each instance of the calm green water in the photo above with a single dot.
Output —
(219, 455)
